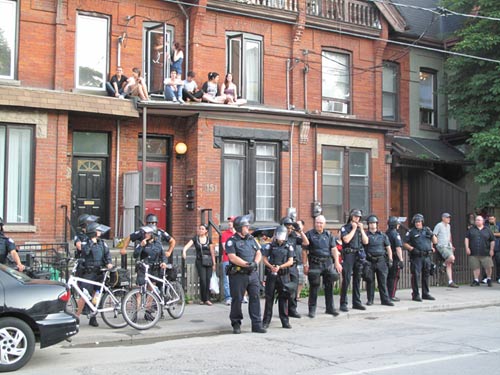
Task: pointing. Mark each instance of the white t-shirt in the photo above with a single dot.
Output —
(190, 86)
(443, 234)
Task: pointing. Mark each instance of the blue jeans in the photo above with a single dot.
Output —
(171, 95)
(227, 293)
(111, 90)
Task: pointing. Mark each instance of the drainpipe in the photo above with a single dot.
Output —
(144, 158)
(118, 129)
(290, 166)
(186, 50)
(288, 61)
(306, 70)
(119, 51)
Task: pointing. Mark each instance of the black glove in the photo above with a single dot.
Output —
(390, 263)
(252, 266)
(401, 264)
(296, 227)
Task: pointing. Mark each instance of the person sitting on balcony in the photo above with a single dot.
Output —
(173, 88)
(231, 91)
(211, 92)
(116, 84)
(136, 86)
(176, 59)
(190, 90)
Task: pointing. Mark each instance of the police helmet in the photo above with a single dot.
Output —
(242, 221)
(392, 222)
(154, 228)
(94, 227)
(417, 217)
(151, 218)
(372, 219)
(287, 220)
(281, 233)
(148, 229)
(86, 219)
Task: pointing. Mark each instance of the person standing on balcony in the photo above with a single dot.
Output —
(177, 58)
(444, 246)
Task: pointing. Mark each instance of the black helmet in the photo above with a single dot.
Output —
(149, 229)
(371, 219)
(86, 219)
(154, 228)
(417, 217)
(392, 222)
(281, 233)
(151, 218)
(93, 227)
(287, 220)
(242, 221)
(355, 212)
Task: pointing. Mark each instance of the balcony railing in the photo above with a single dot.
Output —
(290, 5)
(350, 11)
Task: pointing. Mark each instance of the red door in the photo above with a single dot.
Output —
(156, 190)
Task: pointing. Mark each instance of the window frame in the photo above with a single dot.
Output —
(396, 94)
(31, 198)
(434, 111)
(108, 45)
(15, 50)
(243, 38)
(348, 102)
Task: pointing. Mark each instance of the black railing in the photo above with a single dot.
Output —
(46, 261)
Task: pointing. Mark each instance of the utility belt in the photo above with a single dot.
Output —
(232, 269)
(318, 260)
(349, 250)
(374, 259)
(92, 269)
(416, 253)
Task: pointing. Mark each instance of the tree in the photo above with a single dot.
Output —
(473, 88)
(5, 55)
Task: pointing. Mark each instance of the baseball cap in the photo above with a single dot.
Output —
(231, 218)
(446, 215)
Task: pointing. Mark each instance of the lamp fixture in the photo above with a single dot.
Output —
(180, 149)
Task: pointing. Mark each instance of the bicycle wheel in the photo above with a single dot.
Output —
(113, 318)
(175, 300)
(141, 310)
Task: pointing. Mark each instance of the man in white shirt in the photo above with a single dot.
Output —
(190, 90)
(442, 230)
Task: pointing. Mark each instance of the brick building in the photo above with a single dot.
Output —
(320, 79)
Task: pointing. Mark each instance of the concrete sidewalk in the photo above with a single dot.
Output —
(202, 320)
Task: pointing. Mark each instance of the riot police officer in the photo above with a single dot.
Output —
(379, 255)
(319, 254)
(296, 238)
(353, 238)
(244, 255)
(83, 221)
(419, 241)
(8, 247)
(151, 252)
(95, 253)
(397, 257)
(278, 258)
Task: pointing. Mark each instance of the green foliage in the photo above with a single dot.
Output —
(5, 55)
(473, 88)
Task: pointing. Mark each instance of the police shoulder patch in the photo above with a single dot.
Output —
(408, 233)
(342, 229)
(398, 237)
(11, 240)
(229, 243)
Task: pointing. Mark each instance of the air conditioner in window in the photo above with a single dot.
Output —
(338, 107)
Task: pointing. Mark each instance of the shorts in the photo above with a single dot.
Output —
(445, 251)
(300, 270)
(476, 262)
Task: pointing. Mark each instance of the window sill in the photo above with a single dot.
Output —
(19, 228)
(90, 92)
(429, 128)
(338, 114)
(9, 82)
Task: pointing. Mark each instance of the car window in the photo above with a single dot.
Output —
(15, 274)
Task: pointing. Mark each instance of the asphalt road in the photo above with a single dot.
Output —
(444, 342)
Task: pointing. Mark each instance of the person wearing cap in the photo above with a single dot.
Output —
(444, 246)
(226, 235)
(397, 256)
(8, 247)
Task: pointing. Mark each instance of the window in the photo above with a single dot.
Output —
(8, 38)
(16, 177)
(92, 51)
(244, 61)
(390, 73)
(250, 173)
(346, 178)
(158, 39)
(428, 110)
(336, 82)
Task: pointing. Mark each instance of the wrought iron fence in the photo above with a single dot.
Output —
(45, 261)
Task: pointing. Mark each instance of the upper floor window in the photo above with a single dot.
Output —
(8, 37)
(158, 39)
(428, 97)
(390, 91)
(336, 82)
(92, 51)
(244, 61)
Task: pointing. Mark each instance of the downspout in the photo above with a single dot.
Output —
(306, 70)
(144, 158)
(119, 51)
(288, 61)
(118, 129)
(186, 50)
(290, 166)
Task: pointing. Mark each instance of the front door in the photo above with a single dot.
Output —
(89, 191)
(156, 190)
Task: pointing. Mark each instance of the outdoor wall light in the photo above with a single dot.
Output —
(181, 149)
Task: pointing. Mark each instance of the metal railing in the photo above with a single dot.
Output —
(349, 11)
(290, 5)
(46, 260)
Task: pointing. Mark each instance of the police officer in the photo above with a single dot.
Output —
(379, 255)
(83, 221)
(296, 238)
(418, 242)
(151, 252)
(278, 257)
(353, 238)
(397, 257)
(8, 247)
(95, 254)
(319, 254)
(244, 255)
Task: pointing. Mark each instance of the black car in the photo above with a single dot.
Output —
(31, 311)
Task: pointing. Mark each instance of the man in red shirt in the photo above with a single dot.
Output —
(227, 234)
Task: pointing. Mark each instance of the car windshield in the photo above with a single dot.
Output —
(15, 274)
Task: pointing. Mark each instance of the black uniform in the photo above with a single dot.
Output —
(296, 241)
(420, 259)
(96, 256)
(277, 255)
(204, 271)
(139, 235)
(243, 279)
(351, 265)
(393, 276)
(321, 264)
(376, 256)
(6, 246)
(153, 255)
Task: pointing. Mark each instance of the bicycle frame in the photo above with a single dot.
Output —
(166, 284)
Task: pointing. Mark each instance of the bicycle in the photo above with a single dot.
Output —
(108, 303)
(143, 307)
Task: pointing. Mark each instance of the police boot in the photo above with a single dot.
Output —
(93, 322)
(312, 312)
(236, 329)
(285, 324)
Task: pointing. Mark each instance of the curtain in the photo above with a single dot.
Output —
(233, 187)
(252, 68)
(18, 178)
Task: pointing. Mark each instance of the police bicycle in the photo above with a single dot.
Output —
(108, 302)
(143, 307)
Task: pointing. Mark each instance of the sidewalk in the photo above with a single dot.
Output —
(202, 320)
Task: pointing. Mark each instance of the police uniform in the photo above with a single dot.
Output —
(243, 279)
(278, 255)
(321, 264)
(151, 254)
(96, 255)
(376, 256)
(296, 241)
(352, 265)
(139, 235)
(420, 259)
(393, 275)
(79, 238)
(6, 246)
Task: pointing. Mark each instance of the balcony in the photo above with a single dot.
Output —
(353, 12)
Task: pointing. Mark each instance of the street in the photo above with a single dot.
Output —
(462, 341)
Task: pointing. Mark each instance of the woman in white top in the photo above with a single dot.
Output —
(230, 90)
(211, 89)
